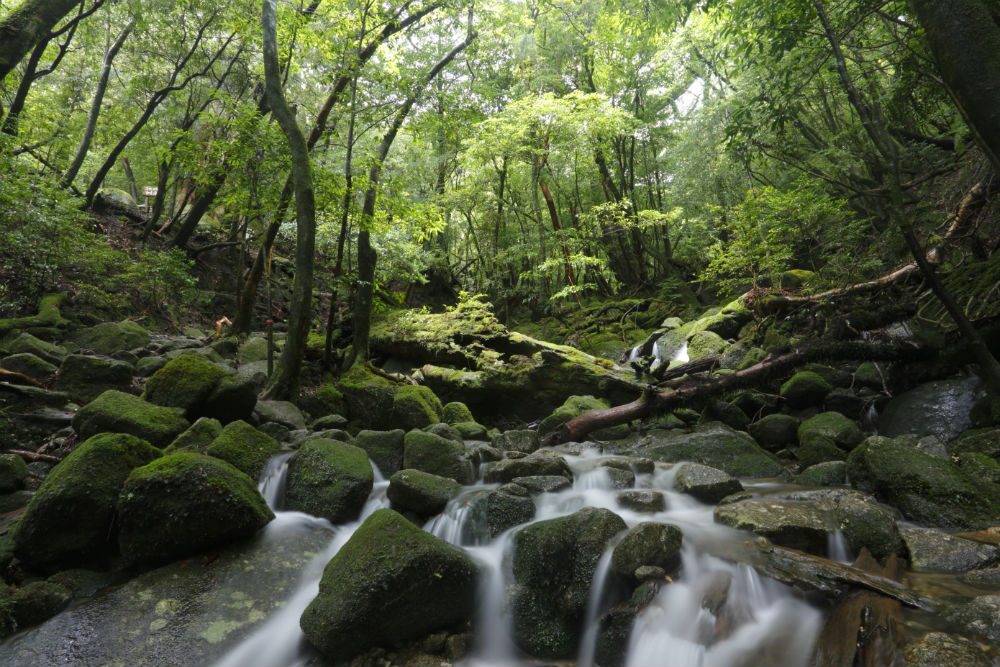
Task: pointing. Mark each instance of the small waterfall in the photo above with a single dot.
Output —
(681, 355)
(273, 480)
(494, 640)
(837, 548)
(595, 604)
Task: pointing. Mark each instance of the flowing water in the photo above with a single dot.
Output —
(716, 614)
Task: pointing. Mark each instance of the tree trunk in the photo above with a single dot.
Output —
(27, 25)
(964, 37)
(557, 227)
(284, 383)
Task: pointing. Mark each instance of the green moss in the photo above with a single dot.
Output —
(416, 406)
(980, 466)
(714, 445)
(456, 413)
(648, 543)
(37, 602)
(13, 473)
(422, 493)
(369, 397)
(436, 455)
(185, 382)
(118, 412)
(245, 447)
(796, 278)
(573, 407)
(819, 449)
(726, 322)
(804, 389)
(186, 503)
(325, 400)
(48, 315)
(28, 344)
(472, 431)
(71, 518)
(197, 438)
(385, 448)
(111, 337)
(329, 479)
(983, 440)
(705, 344)
(315, 346)
(830, 473)
(833, 427)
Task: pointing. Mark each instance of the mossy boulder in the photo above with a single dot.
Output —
(708, 485)
(831, 426)
(233, 398)
(329, 479)
(725, 323)
(819, 450)
(369, 397)
(385, 448)
(184, 504)
(868, 375)
(253, 349)
(472, 431)
(553, 565)
(980, 440)
(576, 406)
(390, 584)
(830, 473)
(796, 278)
(420, 492)
(85, 378)
(415, 406)
(13, 473)
(324, 401)
(184, 382)
(715, 445)
(38, 601)
(508, 506)
(28, 364)
(456, 412)
(197, 438)
(655, 544)
(980, 466)
(518, 440)
(805, 388)
(543, 463)
(25, 343)
(111, 337)
(925, 488)
(71, 519)
(244, 447)
(705, 344)
(118, 412)
(285, 413)
(438, 456)
(775, 432)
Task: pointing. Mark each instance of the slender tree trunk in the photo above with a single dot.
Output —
(95, 106)
(11, 121)
(284, 383)
(162, 177)
(27, 25)
(557, 227)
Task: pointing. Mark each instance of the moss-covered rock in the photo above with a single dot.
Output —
(28, 364)
(85, 378)
(518, 440)
(456, 412)
(285, 413)
(725, 323)
(804, 389)
(508, 506)
(324, 401)
(71, 518)
(553, 564)
(648, 543)
(868, 375)
(420, 492)
(831, 473)
(369, 397)
(472, 431)
(329, 479)
(831, 426)
(184, 504)
(185, 382)
(924, 488)
(385, 448)
(28, 344)
(819, 449)
(197, 438)
(36, 602)
(715, 445)
(576, 406)
(981, 440)
(775, 432)
(980, 466)
(796, 278)
(704, 483)
(253, 349)
(390, 584)
(233, 398)
(244, 447)
(731, 415)
(438, 456)
(705, 344)
(543, 463)
(118, 412)
(415, 406)
(13, 473)
(111, 337)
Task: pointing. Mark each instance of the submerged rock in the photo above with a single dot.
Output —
(714, 445)
(329, 479)
(554, 563)
(390, 584)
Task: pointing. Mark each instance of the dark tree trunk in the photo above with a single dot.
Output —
(27, 25)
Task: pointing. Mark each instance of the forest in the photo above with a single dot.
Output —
(500, 333)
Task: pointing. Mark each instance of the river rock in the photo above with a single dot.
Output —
(472, 430)
(653, 544)
(573, 407)
(819, 450)
(456, 412)
(415, 406)
(369, 396)
(197, 438)
(245, 447)
(926, 489)
(982, 441)
(980, 466)
(111, 337)
(282, 412)
(940, 408)
(831, 473)
(421, 493)
(649, 502)
(390, 584)
(385, 448)
(186, 503)
(446, 431)
(937, 551)
(28, 364)
(329, 479)
(936, 649)
(438, 456)
(13, 473)
(979, 617)
(71, 518)
(516, 441)
(707, 484)
(541, 463)
(508, 506)
(714, 445)
(537, 484)
(804, 389)
(553, 564)
(118, 412)
(32, 604)
(28, 344)
(201, 389)
(85, 378)
(833, 427)
(775, 432)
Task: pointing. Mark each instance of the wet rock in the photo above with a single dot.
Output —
(184, 504)
(980, 617)
(391, 583)
(111, 337)
(714, 445)
(940, 408)
(543, 483)
(508, 506)
(649, 573)
(438, 456)
(35, 603)
(775, 432)
(385, 448)
(282, 412)
(620, 479)
(197, 438)
(937, 649)
(831, 473)
(982, 441)
(516, 441)
(85, 378)
(642, 501)
(28, 364)
(553, 564)
(118, 412)
(243, 446)
(980, 466)
(416, 406)
(926, 489)
(937, 551)
(329, 421)
(727, 413)
(848, 403)
(329, 479)
(647, 544)
(989, 578)
(805, 388)
(541, 463)
(13, 473)
(71, 518)
(422, 493)
(573, 407)
(707, 484)
(833, 427)
(149, 365)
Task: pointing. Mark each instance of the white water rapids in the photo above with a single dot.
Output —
(715, 614)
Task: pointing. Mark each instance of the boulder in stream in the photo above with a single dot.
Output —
(415, 406)
(647, 544)
(201, 388)
(385, 448)
(937, 551)
(438, 456)
(329, 479)
(245, 447)
(707, 484)
(713, 444)
(543, 463)
(420, 492)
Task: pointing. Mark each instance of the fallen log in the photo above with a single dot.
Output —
(653, 402)
(14, 377)
(33, 456)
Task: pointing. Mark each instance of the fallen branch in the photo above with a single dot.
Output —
(652, 402)
(19, 378)
(33, 456)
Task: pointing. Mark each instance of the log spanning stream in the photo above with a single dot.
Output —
(716, 614)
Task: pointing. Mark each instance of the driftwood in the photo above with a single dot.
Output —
(700, 366)
(18, 378)
(33, 456)
(654, 402)
(865, 629)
